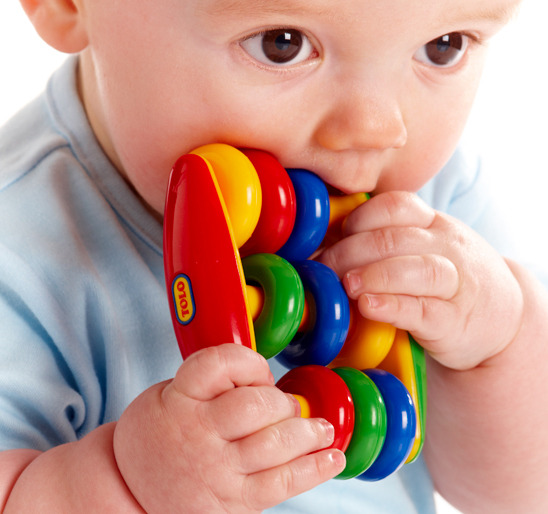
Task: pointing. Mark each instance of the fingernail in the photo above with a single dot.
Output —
(296, 404)
(353, 282)
(338, 459)
(329, 430)
(373, 300)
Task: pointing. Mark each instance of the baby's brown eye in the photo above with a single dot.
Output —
(279, 47)
(282, 46)
(445, 51)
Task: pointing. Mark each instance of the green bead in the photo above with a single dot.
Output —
(369, 425)
(283, 301)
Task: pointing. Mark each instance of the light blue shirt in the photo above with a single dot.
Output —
(84, 318)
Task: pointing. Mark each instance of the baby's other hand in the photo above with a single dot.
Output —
(220, 437)
(425, 272)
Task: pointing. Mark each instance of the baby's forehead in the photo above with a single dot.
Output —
(487, 9)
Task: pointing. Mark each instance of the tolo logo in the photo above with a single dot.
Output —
(183, 299)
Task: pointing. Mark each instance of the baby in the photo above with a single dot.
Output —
(372, 96)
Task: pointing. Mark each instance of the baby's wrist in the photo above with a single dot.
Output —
(533, 300)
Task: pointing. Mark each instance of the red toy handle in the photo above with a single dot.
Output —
(191, 222)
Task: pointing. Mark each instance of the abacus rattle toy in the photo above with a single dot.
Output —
(238, 233)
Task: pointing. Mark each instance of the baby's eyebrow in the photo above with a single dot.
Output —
(258, 7)
(501, 13)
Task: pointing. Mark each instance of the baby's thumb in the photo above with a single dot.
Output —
(212, 371)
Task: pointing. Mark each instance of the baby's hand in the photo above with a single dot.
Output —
(428, 273)
(221, 437)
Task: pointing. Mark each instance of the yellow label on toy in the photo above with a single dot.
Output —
(183, 299)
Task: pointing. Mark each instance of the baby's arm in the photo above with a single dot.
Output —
(487, 446)
(12, 464)
(220, 437)
(74, 477)
(483, 322)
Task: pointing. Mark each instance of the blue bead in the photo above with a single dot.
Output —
(312, 216)
(401, 426)
(331, 314)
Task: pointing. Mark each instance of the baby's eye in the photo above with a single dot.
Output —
(279, 47)
(445, 51)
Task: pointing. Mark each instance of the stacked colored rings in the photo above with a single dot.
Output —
(372, 412)
(253, 207)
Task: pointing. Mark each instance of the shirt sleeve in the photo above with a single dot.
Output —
(40, 402)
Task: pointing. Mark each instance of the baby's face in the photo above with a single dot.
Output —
(371, 95)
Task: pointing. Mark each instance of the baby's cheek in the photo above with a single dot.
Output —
(412, 169)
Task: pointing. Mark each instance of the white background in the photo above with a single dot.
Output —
(508, 122)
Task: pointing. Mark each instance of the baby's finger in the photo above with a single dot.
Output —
(367, 247)
(428, 319)
(415, 275)
(212, 371)
(280, 443)
(271, 487)
(393, 209)
(245, 410)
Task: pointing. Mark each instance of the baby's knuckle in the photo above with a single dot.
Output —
(249, 496)
(280, 438)
(262, 400)
(384, 242)
(428, 311)
(257, 403)
(206, 359)
(319, 466)
(423, 308)
(441, 273)
(433, 269)
(393, 203)
(399, 204)
(286, 481)
(384, 278)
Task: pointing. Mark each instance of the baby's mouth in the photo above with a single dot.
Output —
(333, 191)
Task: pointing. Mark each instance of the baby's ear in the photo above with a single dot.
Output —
(58, 22)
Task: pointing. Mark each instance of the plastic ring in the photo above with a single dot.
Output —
(328, 397)
(279, 206)
(239, 185)
(367, 344)
(330, 313)
(283, 301)
(400, 429)
(312, 218)
(369, 425)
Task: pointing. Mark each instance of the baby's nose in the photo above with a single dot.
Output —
(362, 119)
